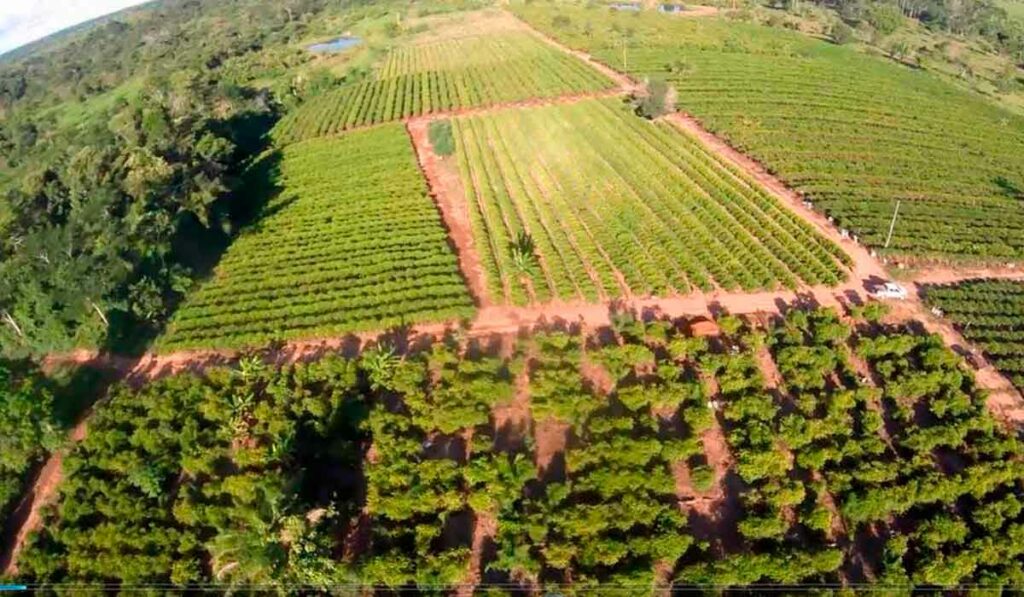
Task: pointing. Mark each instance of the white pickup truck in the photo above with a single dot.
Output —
(889, 290)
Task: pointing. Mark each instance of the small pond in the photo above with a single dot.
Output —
(671, 8)
(625, 6)
(335, 45)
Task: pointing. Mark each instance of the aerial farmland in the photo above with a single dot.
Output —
(463, 297)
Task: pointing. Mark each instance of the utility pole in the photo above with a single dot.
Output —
(625, 69)
(892, 225)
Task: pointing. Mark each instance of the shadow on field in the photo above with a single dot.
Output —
(197, 247)
(1011, 189)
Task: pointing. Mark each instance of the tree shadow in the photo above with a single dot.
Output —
(198, 247)
(76, 390)
(1011, 189)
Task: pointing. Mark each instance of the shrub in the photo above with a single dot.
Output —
(440, 133)
(656, 101)
(703, 478)
(885, 18)
(842, 33)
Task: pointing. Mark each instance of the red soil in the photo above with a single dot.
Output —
(485, 527)
(512, 419)
(550, 438)
(28, 514)
(447, 190)
(948, 275)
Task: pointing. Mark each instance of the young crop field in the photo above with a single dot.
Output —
(351, 242)
(442, 76)
(854, 133)
(989, 313)
(851, 456)
(588, 201)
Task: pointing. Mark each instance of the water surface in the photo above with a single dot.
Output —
(336, 45)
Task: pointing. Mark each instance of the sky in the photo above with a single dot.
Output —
(24, 21)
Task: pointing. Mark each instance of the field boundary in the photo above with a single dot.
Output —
(446, 189)
(1004, 401)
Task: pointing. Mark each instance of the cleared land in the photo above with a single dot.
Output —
(614, 205)
(351, 241)
(989, 313)
(834, 454)
(446, 75)
(854, 133)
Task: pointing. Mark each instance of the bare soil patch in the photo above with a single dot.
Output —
(512, 419)
(42, 491)
(485, 528)
(447, 190)
(951, 275)
(550, 439)
(446, 27)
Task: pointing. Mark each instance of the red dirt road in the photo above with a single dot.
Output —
(27, 515)
(449, 194)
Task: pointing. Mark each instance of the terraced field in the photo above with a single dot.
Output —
(351, 242)
(989, 313)
(854, 133)
(445, 75)
(611, 204)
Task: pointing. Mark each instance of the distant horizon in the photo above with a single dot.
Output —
(21, 25)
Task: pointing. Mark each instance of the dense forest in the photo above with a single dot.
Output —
(119, 151)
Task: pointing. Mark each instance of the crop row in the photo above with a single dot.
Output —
(663, 216)
(640, 457)
(351, 242)
(444, 76)
(852, 132)
(990, 314)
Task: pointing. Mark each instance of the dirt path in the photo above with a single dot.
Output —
(1004, 400)
(571, 98)
(696, 10)
(624, 82)
(866, 270)
(713, 515)
(27, 516)
(485, 528)
(949, 275)
(447, 190)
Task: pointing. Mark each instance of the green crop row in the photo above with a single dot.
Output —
(853, 133)
(637, 202)
(351, 242)
(990, 314)
(798, 451)
(444, 76)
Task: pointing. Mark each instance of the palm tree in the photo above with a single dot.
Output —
(268, 546)
(523, 252)
(252, 552)
(379, 365)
